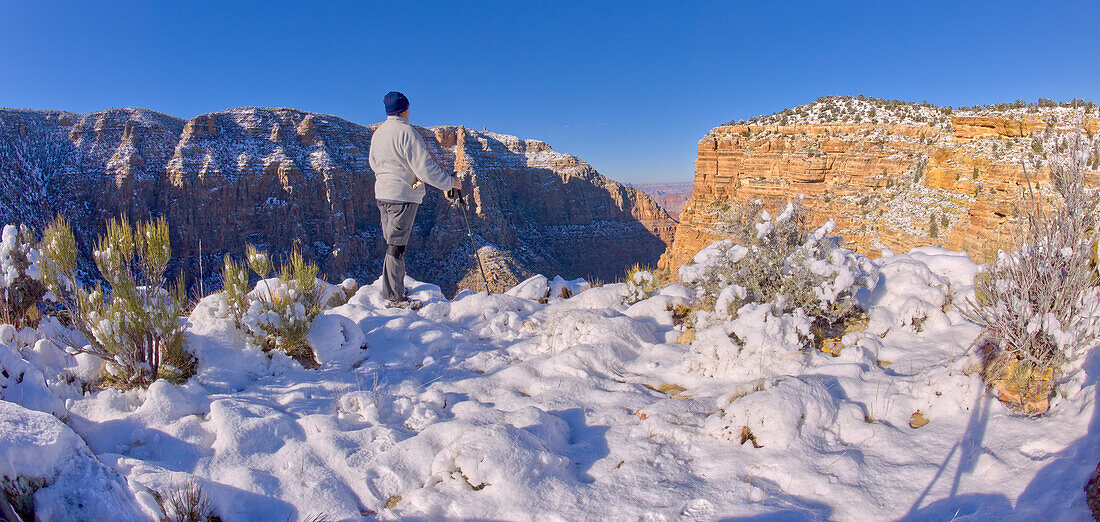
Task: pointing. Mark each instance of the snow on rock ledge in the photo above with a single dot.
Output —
(36, 445)
(22, 383)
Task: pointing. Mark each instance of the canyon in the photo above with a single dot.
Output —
(279, 177)
(892, 175)
(671, 196)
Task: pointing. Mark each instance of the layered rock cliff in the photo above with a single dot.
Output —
(892, 175)
(276, 177)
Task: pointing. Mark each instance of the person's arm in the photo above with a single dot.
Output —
(424, 166)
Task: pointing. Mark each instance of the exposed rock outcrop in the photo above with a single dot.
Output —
(275, 177)
(894, 177)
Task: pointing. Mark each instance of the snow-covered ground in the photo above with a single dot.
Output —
(502, 407)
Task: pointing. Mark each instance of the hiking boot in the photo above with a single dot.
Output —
(408, 304)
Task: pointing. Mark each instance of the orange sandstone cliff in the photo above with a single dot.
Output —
(892, 175)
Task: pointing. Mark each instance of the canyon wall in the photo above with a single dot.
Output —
(280, 177)
(926, 178)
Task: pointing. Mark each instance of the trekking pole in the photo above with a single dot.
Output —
(457, 196)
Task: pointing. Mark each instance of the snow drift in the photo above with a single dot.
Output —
(531, 405)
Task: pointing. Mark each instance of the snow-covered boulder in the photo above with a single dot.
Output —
(776, 417)
(223, 354)
(909, 295)
(539, 287)
(658, 308)
(336, 341)
(34, 445)
(757, 344)
(22, 383)
(562, 288)
(534, 288)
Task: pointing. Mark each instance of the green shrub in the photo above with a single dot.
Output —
(235, 288)
(278, 313)
(187, 503)
(640, 283)
(134, 323)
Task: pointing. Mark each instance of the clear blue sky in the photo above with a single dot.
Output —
(629, 87)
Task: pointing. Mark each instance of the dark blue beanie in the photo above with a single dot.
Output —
(395, 102)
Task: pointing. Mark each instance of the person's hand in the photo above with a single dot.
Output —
(458, 184)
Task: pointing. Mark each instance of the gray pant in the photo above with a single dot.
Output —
(397, 222)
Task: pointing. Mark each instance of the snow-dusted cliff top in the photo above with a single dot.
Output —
(861, 109)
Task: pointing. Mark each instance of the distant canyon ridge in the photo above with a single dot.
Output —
(671, 196)
(893, 175)
(280, 177)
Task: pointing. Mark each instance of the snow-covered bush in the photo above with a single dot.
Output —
(778, 261)
(279, 312)
(640, 284)
(20, 277)
(134, 323)
(1037, 304)
(758, 344)
(728, 262)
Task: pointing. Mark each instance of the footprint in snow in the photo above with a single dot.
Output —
(698, 509)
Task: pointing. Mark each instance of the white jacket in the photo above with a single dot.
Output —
(399, 157)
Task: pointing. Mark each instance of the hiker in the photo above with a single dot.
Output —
(402, 165)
